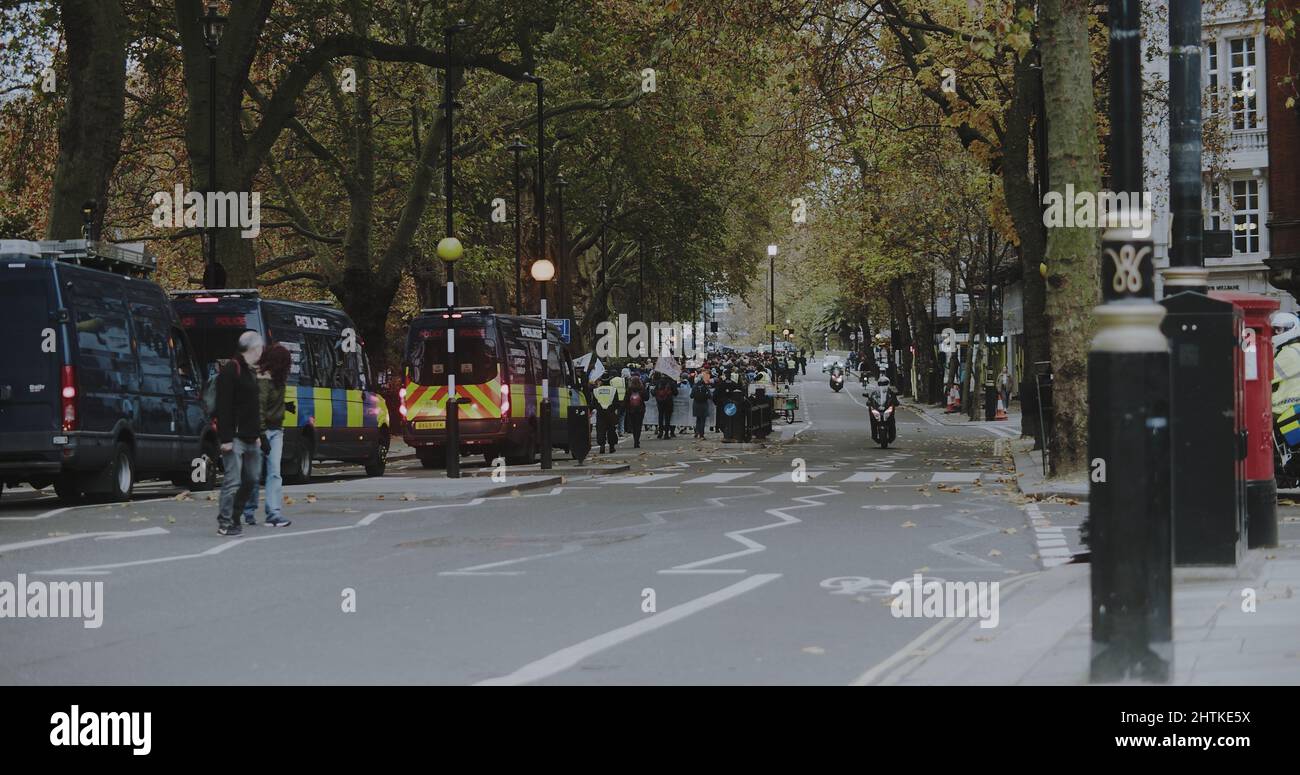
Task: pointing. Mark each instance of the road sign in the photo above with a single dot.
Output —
(563, 325)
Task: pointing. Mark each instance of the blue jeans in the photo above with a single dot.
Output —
(274, 481)
(239, 477)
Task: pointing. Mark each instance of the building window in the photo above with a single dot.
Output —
(1214, 214)
(1245, 216)
(1212, 74)
(1245, 83)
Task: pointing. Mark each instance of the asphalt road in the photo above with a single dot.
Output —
(703, 564)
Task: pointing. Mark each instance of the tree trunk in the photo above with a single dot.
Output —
(925, 361)
(1072, 289)
(90, 129)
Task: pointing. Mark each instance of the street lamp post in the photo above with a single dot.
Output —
(518, 146)
(543, 270)
(562, 248)
(1129, 518)
(213, 24)
(450, 250)
(771, 295)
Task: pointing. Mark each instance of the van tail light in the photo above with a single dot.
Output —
(68, 398)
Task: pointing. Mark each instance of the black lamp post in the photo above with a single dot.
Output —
(543, 271)
(450, 250)
(213, 24)
(517, 147)
(562, 264)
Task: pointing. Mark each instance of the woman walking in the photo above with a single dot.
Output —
(273, 371)
(637, 396)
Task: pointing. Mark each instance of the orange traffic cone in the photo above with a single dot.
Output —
(1002, 411)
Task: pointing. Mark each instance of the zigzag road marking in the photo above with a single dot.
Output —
(752, 546)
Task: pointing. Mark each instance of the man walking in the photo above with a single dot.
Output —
(664, 393)
(605, 398)
(239, 425)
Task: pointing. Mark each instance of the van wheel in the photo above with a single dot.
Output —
(120, 475)
(301, 473)
(431, 457)
(379, 458)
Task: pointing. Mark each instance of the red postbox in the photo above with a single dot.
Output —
(1257, 346)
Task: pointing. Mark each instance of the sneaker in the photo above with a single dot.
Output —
(278, 522)
(250, 521)
(229, 530)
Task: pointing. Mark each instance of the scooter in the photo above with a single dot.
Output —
(837, 381)
(884, 428)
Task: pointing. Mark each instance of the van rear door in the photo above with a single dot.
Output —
(32, 353)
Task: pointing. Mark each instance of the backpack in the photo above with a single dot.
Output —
(634, 400)
(210, 389)
(664, 392)
(700, 392)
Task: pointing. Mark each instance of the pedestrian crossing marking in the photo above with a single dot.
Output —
(718, 478)
(870, 476)
(779, 478)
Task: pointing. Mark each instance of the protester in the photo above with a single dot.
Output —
(239, 426)
(272, 373)
(634, 413)
(665, 390)
(700, 405)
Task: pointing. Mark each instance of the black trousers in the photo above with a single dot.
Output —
(665, 417)
(606, 427)
(634, 422)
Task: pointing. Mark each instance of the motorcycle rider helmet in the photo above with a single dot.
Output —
(1286, 327)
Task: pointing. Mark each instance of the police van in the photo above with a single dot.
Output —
(98, 384)
(499, 376)
(334, 410)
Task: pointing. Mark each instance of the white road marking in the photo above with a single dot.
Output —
(365, 521)
(718, 478)
(910, 507)
(752, 546)
(787, 478)
(101, 535)
(478, 570)
(640, 480)
(568, 657)
(868, 476)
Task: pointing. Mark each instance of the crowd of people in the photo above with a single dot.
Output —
(621, 398)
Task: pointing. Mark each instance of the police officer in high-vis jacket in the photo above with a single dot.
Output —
(604, 397)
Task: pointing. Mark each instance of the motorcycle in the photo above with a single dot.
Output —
(837, 381)
(884, 428)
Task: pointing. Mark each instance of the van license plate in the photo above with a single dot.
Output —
(430, 425)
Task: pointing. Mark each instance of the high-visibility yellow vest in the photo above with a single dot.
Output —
(620, 385)
(605, 395)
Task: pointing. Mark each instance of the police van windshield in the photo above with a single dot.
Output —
(215, 334)
(476, 355)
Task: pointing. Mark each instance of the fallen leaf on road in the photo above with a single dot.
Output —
(983, 638)
(379, 498)
(183, 496)
(408, 496)
(139, 519)
(813, 650)
(1010, 531)
(171, 520)
(288, 501)
(908, 523)
(211, 497)
(995, 553)
(311, 497)
(514, 493)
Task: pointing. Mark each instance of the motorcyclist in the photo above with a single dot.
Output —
(837, 377)
(884, 396)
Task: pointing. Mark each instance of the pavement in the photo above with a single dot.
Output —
(681, 562)
(1232, 625)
